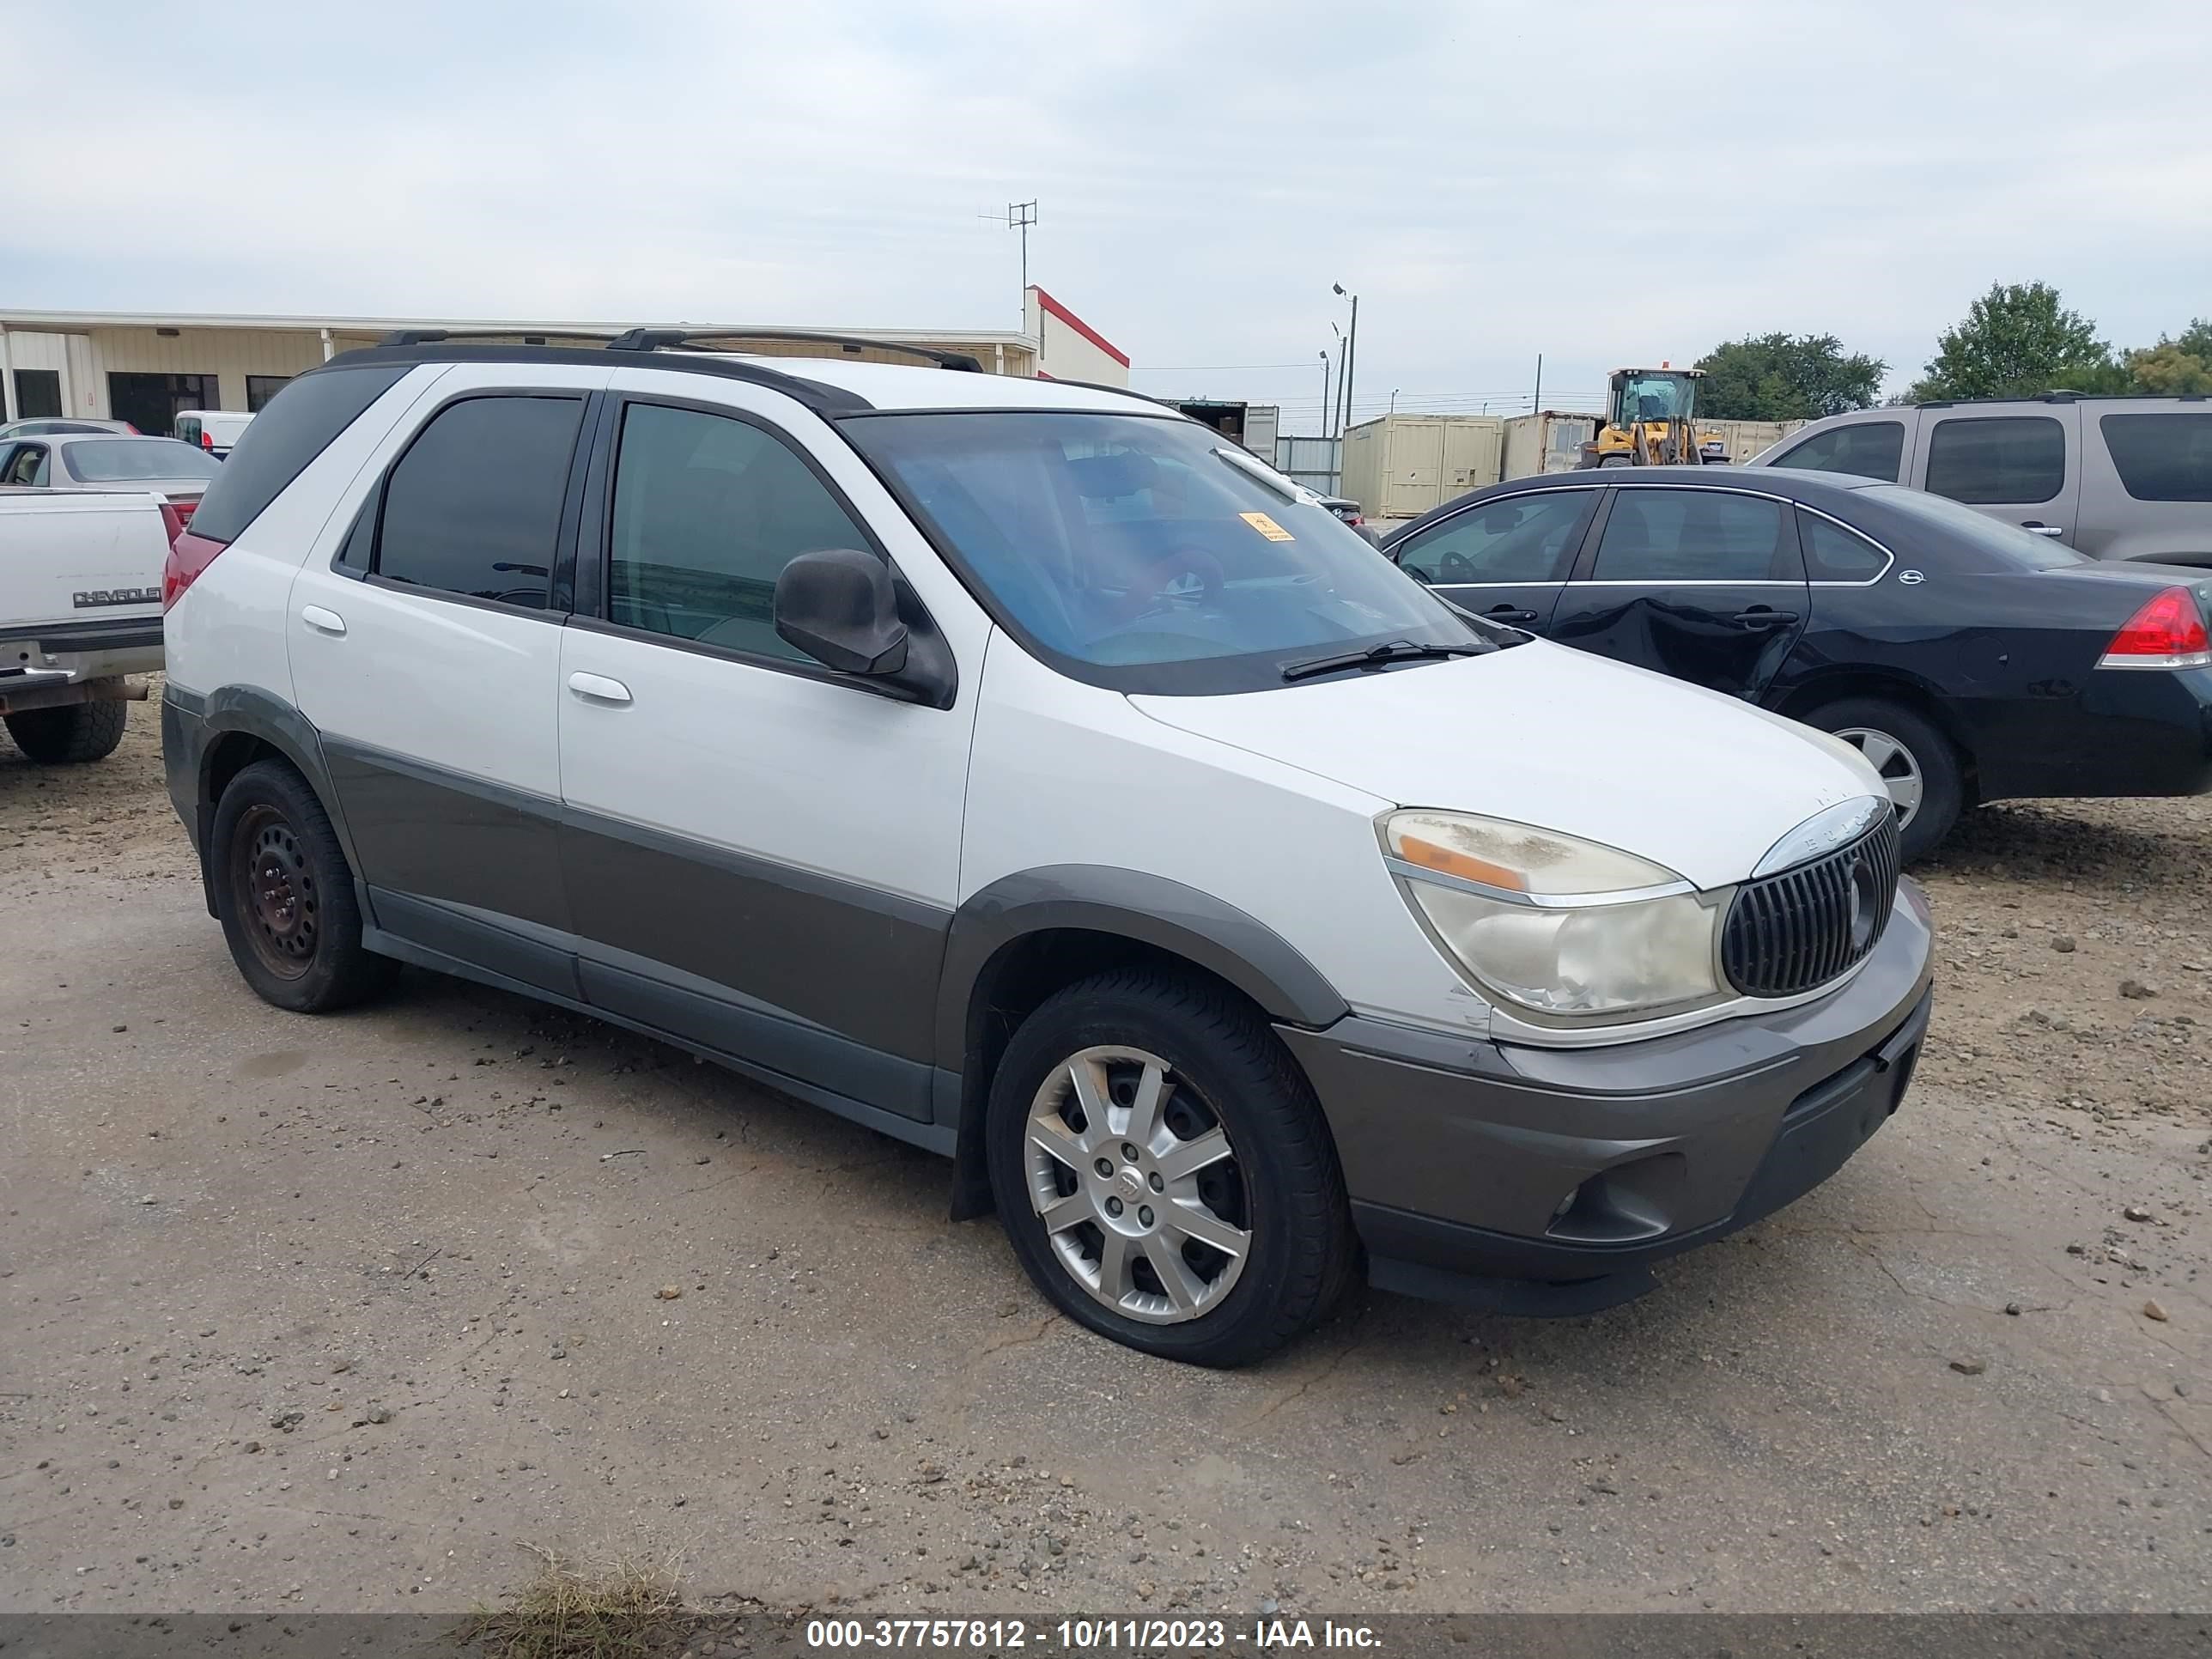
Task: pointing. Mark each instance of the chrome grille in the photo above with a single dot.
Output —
(1793, 933)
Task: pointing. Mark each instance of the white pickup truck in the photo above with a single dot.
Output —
(80, 608)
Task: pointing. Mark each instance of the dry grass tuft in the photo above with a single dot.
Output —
(615, 1609)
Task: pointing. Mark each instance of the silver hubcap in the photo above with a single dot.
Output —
(1137, 1185)
(1900, 773)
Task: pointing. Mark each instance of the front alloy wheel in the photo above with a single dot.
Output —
(1137, 1185)
(1163, 1169)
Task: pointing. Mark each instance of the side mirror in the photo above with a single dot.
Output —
(838, 606)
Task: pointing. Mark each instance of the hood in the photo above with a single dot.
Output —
(1544, 735)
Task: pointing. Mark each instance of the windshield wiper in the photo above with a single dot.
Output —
(1376, 656)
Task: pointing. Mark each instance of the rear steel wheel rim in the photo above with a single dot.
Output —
(277, 903)
(1137, 1185)
(1899, 767)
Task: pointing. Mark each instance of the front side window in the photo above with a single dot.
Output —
(1868, 449)
(2162, 458)
(707, 511)
(118, 460)
(1146, 553)
(1689, 536)
(1518, 538)
(2012, 458)
(474, 506)
(1833, 554)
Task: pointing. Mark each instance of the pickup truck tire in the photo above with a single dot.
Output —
(69, 735)
(285, 895)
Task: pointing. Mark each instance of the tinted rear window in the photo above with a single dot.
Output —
(2162, 458)
(474, 506)
(1870, 449)
(297, 426)
(1978, 530)
(2012, 459)
(118, 460)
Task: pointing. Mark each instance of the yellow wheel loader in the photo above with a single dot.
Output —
(1650, 422)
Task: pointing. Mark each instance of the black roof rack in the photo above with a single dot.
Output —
(408, 336)
(662, 339)
(825, 399)
(2063, 397)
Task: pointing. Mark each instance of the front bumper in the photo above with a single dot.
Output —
(1549, 1180)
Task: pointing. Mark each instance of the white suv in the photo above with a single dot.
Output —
(1019, 769)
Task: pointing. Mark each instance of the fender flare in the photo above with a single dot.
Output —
(1129, 904)
(257, 713)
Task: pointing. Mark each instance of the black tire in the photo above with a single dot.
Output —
(1227, 1067)
(69, 736)
(285, 895)
(1942, 782)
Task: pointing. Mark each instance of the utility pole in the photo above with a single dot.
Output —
(1539, 383)
(1351, 352)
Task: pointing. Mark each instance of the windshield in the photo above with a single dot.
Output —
(1147, 554)
(137, 457)
(1991, 535)
(1654, 397)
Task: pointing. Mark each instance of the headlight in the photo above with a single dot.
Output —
(1562, 927)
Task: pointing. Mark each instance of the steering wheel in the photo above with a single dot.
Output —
(1188, 575)
(1457, 566)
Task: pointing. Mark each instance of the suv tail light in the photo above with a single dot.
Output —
(189, 555)
(2168, 632)
(207, 438)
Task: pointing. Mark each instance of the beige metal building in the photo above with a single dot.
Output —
(144, 367)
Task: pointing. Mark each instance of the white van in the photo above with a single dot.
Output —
(214, 431)
(1024, 771)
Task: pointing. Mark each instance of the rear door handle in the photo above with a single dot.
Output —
(598, 687)
(322, 621)
(1760, 616)
(1510, 613)
(2036, 528)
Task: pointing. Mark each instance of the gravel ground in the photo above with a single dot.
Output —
(344, 1314)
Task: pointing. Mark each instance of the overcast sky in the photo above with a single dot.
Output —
(1601, 184)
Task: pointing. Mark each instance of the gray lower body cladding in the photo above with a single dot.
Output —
(1548, 1181)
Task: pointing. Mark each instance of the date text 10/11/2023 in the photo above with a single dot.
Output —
(1088, 1635)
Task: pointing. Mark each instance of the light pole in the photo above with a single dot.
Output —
(1329, 427)
(1351, 353)
(1324, 392)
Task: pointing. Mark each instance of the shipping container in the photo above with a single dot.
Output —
(1548, 441)
(1401, 465)
(1745, 438)
(1255, 426)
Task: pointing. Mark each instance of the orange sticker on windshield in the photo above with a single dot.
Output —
(1267, 526)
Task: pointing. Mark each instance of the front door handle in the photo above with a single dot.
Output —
(598, 687)
(2036, 528)
(323, 621)
(1510, 613)
(1760, 616)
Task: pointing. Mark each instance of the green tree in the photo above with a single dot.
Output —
(1785, 377)
(2019, 341)
(2175, 366)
